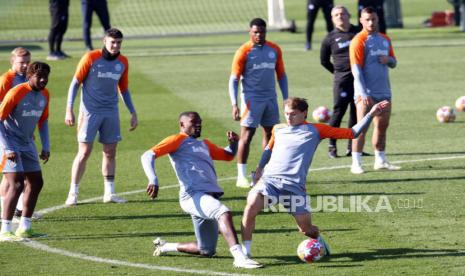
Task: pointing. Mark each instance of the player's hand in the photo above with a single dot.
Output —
(152, 190)
(236, 113)
(44, 155)
(134, 121)
(367, 101)
(258, 175)
(69, 117)
(378, 108)
(232, 136)
(383, 59)
(11, 156)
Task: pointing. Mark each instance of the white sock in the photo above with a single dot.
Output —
(109, 186)
(356, 158)
(246, 245)
(241, 170)
(74, 188)
(380, 156)
(236, 251)
(19, 205)
(25, 223)
(170, 247)
(6, 226)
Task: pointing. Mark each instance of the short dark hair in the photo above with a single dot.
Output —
(38, 68)
(114, 33)
(297, 103)
(188, 114)
(368, 10)
(257, 22)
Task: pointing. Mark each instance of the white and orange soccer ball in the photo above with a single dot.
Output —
(310, 250)
(445, 114)
(460, 104)
(321, 114)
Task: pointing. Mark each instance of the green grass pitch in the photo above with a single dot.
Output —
(422, 235)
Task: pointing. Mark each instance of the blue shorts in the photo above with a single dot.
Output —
(107, 125)
(27, 160)
(291, 201)
(255, 113)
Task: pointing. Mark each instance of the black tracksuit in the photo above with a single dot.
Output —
(312, 10)
(59, 24)
(336, 45)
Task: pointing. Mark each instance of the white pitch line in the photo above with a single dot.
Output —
(41, 246)
(46, 248)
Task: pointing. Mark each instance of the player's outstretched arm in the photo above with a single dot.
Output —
(148, 164)
(376, 110)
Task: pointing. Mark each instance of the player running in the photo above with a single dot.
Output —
(255, 63)
(283, 168)
(24, 107)
(103, 74)
(199, 193)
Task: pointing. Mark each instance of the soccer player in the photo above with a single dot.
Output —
(371, 55)
(59, 24)
(255, 63)
(199, 193)
(103, 74)
(282, 172)
(378, 6)
(336, 46)
(20, 59)
(312, 11)
(24, 107)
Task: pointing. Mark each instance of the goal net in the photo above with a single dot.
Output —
(30, 19)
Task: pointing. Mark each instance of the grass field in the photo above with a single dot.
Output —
(422, 235)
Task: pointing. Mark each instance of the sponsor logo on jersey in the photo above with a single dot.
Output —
(264, 65)
(32, 113)
(201, 150)
(378, 52)
(108, 75)
(345, 44)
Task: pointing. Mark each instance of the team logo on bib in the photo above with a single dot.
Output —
(118, 67)
(42, 103)
(385, 43)
(271, 55)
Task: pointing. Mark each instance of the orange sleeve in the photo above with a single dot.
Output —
(327, 131)
(357, 49)
(218, 153)
(6, 81)
(44, 116)
(391, 50)
(168, 145)
(85, 64)
(123, 83)
(239, 60)
(280, 71)
(12, 98)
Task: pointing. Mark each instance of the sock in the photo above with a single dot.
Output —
(241, 170)
(236, 251)
(246, 245)
(25, 223)
(74, 188)
(356, 158)
(380, 156)
(6, 226)
(170, 247)
(109, 183)
(19, 205)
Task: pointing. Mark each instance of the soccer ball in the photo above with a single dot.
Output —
(321, 114)
(460, 104)
(445, 114)
(310, 250)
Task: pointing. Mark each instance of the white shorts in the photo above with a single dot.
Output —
(203, 206)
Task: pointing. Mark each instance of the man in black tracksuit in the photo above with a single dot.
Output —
(312, 11)
(336, 45)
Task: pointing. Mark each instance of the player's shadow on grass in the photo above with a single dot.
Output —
(394, 253)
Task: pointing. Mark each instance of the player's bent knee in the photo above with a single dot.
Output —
(208, 252)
